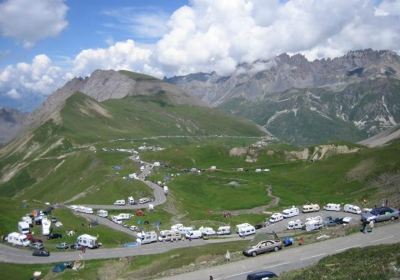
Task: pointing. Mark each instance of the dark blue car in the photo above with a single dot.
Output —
(261, 275)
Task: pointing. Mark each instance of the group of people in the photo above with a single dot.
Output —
(367, 227)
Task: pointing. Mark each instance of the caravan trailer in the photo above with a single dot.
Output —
(18, 239)
(224, 230)
(290, 212)
(46, 224)
(23, 227)
(352, 209)
(246, 231)
(87, 240)
(146, 237)
(169, 235)
(332, 207)
(310, 208)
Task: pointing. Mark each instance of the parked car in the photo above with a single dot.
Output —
(36, 246)
(54, 236)
(380, 214)
(261, 275)
(41, 253)
(263, 247)
(63, 245)
(330, 222)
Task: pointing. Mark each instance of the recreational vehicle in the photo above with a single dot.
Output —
(332, 207)
(290, 212)
(131, 200)
(28, 220)
(102, 213)
(207, 231)
(18, 239)
(169, 235)
(352, 209)
(144, 200)
(87, 240)
(313, 225)
(297, 224)
(310, 208)
(146, 237)
(184, 230)
(23, 227)
(194, 234)
(276, 217)
(46, 224)
(239, 226)
(120, 202)
(166, 190)
(176, 227)
(224, 230)
(246, 231)
(123, 216)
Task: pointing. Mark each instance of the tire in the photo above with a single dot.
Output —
(276, 249)
(254, 254)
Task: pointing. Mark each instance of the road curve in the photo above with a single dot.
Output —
(297, 257)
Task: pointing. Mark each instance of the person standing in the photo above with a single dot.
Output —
(371, 225)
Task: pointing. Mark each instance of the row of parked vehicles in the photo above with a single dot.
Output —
(131, 201)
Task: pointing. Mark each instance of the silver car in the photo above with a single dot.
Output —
(263, 247)
(380, 214)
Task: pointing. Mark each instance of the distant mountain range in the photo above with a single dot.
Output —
(308, 102)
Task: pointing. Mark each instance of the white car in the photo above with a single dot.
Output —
(276, 217)
(120, 202)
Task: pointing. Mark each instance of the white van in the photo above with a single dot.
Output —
(144, 200)
(146, 237)
(120, 202)
(240, 226)
(123, 216)
(297, 224)
(276, 217)
(317, 219)
(23, 227)
(102, 213)
(87, 240)
(46, 224)
(166, 190)
(224, 230)
(194, 234)
(246, 231)
(18, 239)
(310, 208)
(313, 225)
(352, 209)
(207, 231)
(185, 230)
(290, 212)
(332, 207)
(131, 200)
(169, 235)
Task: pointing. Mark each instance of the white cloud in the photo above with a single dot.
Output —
(29, 21)
(39, 77)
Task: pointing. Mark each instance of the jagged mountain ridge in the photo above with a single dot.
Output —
(346, 98)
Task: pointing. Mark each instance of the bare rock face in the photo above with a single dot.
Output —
(10, 123)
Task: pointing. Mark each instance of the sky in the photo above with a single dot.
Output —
(44, 43)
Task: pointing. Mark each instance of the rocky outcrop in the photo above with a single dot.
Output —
(320, 152)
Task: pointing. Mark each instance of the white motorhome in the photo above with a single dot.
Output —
(87, 240)
(239, 226)
(146, 237)
(151, 206)
(290, 212)
(317, 219)
(224, 230)
(313, 225)
(194, 234)
(46, 224)
(184, 230)
(310, 208)
(276, 217)
(144, 200)
(166, 190)
(131, 200)
(27, 219)
(23, 227)
(246, 231)
(102, 213)
(120, 202)
(18, 239)
(332, 207)
(352, 209)
(82, 209)
(207, 231)
(297, 224)
(123, 216)
(169, 235)
(176, 227)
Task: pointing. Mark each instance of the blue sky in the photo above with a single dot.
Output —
(45, 43)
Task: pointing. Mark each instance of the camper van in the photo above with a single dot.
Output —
(166, 190)
(315, 219)
(310, 208)
(131, 200)
(102, 213)
(276, 217)
(169, 235)
(23, 227)
(224, 230)
(176, 227)
(146, 237)
(240, 226)
(120, 202)
(46, 224)
(313, 225)
(297, 224)
(123, 216)
(207, 231)
(184, 230)
(352, 209)
(18, 239)
(246, 231)
(332, 207)
(87, 240)
(144, 200)
(27, 219)
(194, 234)
(290, 212)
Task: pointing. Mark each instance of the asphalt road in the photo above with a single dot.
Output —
(296, 257)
